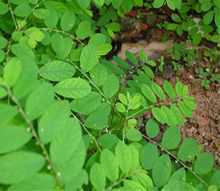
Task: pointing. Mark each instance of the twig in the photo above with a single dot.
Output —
(88, 132)
(35, 135)
(12, 15)
(177, 160)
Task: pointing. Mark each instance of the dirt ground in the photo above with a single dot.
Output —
(205, 123)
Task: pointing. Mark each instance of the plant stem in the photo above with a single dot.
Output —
(176, 160)
(35, 135)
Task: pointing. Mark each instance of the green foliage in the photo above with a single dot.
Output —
(71, 120)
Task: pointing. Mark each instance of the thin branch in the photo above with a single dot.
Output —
(88, 132)
(176, 160)
(12, 15)
(35, 135)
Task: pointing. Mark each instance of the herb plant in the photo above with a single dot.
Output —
(72, 120)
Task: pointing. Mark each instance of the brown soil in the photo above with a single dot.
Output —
(205, 123)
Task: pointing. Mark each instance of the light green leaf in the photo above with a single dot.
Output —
(148, 156)
(159, 115)
(13, 166)
(87, 104)
(99, 74)
(110, 165)
(158, 91)
(133, 134)
(3, 41)
(103, 49)
(188, 150)
(7, 112)
(52, 121)
(12, 71)
(89, 58)
(123, 154)
(65, 142)
(158, 3)
(39, 181)
(8, 133)
(84, 30)
(111, 85)
(133, 185)
(57, 71)
(171, 138)
(162, 170)
(152, 128)
(204, 163)
(99, 118)
(61, 45)
(3, 8)
(51, 18)
(39, 100)
(168, 88)
(97, 177)
(99, 3)
(73, 88)
(148, 93)
(23, 10)
(68, 20)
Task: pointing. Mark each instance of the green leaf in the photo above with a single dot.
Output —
(99, 118)
(124, 156)
(159, 115)
(144, 179)
(133, 134)
(57, 71)
(110, 165)
(103, 49)
(158, 91)
(84, 30)
(120, 107)
(133, 185)
(73, 88)
(52, 121)
(135, 164)
(99, 74)
(186, 111)
(71, 169)
(8, 133)
(204, 163)
(108, 141)
(7, 112)
(168, 88)
(87, 104)
(158, 3)
(111, 86)
(61, 45)
(188, 150)
(152, 128)
(51, 18)
(181, 89)
(148, 93)
(148, 156)
(23, 10)
(68, 20)
(162, 170)
(13, 166)
(131, 57)
(12, 71)
(97, 177)
(3, 41)
(89, 58)
(39, 181)
(171, 138)
(3, 8)
(39, 100)
(65, 142)
(171, 117)
(99, 3)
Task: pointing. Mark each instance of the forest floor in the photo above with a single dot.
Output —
(205, 123)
